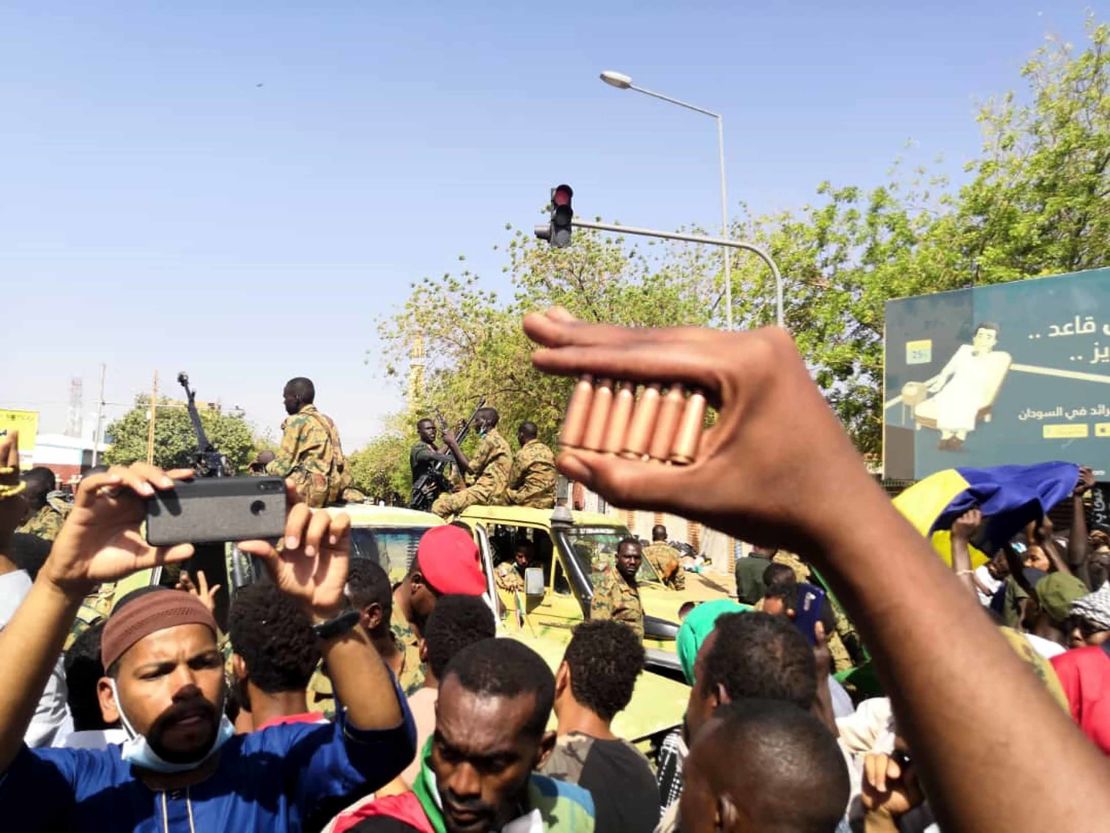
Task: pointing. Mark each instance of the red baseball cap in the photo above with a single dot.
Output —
(448, 558)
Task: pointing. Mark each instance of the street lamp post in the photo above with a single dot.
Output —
(624, 82)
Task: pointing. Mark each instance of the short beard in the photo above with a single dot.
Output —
(182, 756)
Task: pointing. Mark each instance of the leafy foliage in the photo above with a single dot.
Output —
(380, 469)
(174, 440)
(1038, 203)
(474, 344)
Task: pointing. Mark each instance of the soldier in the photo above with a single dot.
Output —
(43, 517)
(509, 575)
(532, 479)
(310, 452)
(665, 559)
(446, 562)
(423, 456)
(489, 467)
(617, 595)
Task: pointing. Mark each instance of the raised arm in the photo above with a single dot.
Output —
(772, 419)
(100, 541)
(962, 530)
(312, 569)
(1077, 538)
(1044, 537)
(460, 459)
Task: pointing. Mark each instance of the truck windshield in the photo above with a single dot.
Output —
(392, 548)
(595, 549)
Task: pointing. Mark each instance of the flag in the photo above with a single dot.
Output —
(1008, 496)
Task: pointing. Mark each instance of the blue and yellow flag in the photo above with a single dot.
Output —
(1008, 496)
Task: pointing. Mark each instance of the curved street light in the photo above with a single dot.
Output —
(624, 82)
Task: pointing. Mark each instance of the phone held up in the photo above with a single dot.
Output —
(215, 509)
(807, 610)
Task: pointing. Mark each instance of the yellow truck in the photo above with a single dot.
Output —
(570, 550)
(390, 536)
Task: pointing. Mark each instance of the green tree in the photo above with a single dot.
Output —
(1038, 203)
(381, 467)
(473, 342)
(174, 440)
(842, 259)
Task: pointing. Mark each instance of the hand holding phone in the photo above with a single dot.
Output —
(216, 509)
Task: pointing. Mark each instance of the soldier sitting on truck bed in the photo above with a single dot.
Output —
(532, 479)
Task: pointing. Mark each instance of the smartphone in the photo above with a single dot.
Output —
(214, 509)
(807, 610)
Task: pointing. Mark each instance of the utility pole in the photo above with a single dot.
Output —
(153, 419)
(99, 415)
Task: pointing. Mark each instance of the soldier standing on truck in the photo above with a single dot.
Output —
(532, 478)
(489, 467)
(310, 453)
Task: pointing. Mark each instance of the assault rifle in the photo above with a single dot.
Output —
(207, 461)
(433, 482)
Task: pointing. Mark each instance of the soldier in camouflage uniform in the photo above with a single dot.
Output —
(532, 478)
(665, 559)
(310, 453)
(43, 518)
(509, 575)
(404, 634)
(616, 595)
(801, 570)
(489, 467)
(95, 608)
(390, 633)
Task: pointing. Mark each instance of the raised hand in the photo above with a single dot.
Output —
(12, 504)
(206, 594)
(772, 422)
(311, 565)
(100, 539)
(1085, 483)
(965, 525)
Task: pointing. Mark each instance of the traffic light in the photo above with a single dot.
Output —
(557, 231)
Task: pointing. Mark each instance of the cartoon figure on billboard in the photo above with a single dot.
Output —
(963, 392)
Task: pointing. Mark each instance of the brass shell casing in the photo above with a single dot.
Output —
(685, 446)
(666, 425)
(599, 415)
(619, 416)
(640, 428)
(578, 411)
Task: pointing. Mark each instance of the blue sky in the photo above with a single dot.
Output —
(241, 193)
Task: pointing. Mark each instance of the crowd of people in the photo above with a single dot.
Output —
(336, 701)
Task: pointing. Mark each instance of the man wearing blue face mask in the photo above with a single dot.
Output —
(489, 467)
(181, 768)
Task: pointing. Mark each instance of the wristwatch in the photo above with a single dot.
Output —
(338, 626)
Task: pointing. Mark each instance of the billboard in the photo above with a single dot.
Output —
(26, 423)
(1009, 373)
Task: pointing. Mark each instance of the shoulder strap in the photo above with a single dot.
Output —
(329, 427)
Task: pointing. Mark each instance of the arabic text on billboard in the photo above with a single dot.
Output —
(1009, 373)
